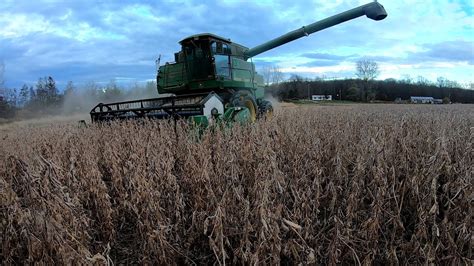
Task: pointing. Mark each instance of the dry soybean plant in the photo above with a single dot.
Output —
(355, 184)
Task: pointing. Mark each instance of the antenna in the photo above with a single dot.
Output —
(157, 62)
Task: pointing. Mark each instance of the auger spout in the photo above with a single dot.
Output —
(372, 10)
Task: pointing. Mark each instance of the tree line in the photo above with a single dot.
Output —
(45, 98)
(356, 90)
(367, 89)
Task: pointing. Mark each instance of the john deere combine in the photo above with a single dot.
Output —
(212, 79)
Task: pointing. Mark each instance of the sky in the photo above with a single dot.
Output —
(104, 40)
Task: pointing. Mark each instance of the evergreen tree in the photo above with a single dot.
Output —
(32, 94)
(51, 89)
(11, 96)
(46, 92)
(41, 94)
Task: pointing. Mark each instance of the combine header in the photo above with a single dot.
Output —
(211, 78)
(167, 107)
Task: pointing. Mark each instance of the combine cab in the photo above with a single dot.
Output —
(212, 77)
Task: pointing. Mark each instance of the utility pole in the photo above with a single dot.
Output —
(2, 81)
(307, 85)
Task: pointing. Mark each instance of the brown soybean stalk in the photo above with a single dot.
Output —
(350, 184)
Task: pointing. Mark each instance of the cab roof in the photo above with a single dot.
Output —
(205, 36)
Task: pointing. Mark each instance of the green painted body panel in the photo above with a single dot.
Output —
(199, 120)
(173, 75)
(230, 116)
(174, 78)
(243, 116)
(236, 114)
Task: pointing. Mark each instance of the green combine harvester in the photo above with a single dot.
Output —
(212, 79)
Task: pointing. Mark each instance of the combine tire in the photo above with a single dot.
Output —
(265, 109)
(243, 99)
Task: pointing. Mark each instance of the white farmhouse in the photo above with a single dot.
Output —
(321, 97)
(420, 99)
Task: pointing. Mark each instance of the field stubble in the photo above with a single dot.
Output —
(337, 184)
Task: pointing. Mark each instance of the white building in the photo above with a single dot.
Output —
(419, 99)
(321, 97)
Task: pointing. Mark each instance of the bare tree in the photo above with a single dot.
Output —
(442, 82)
(272, 75)
(367, 69)
(267, 74)
(70, 88)
(277, 76)
(422, 81)
(406, 78)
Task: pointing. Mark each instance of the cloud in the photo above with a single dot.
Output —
(443, 55)
(320, 63)
(325, 56)
(102, 40)
(324, 59)
(451, 51)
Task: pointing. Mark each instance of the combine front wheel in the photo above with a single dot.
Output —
(242, 99)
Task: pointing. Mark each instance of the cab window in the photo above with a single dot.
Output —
(221, 53)
(222, 65)
(220, 48)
